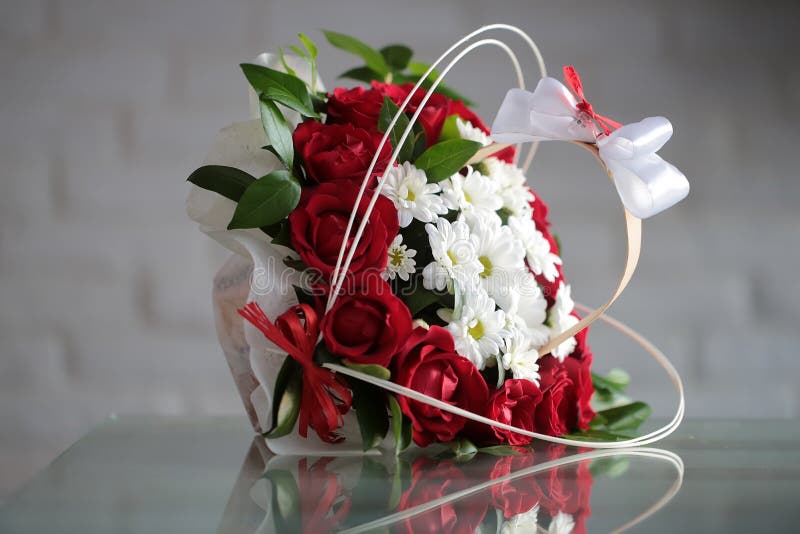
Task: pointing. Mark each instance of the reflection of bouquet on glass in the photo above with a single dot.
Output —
(391, 237)
(547, 490)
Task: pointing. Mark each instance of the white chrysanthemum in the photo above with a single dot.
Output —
(560, 319)
(537, 248)
(500, 253)
(526, 309)
(454, 258)
(468, 131)
(525, 523)
(473, 192)
(511, 186)
(408, 188)
(401, 260)
(520, 357)
(561, 524)
(479, 332)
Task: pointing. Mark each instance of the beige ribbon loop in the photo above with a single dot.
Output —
(633, 230)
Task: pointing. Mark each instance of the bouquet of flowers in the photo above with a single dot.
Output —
(403, 271)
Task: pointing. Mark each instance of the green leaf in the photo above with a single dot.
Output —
(285, 65)
(279, 233)
(616, 379)
(288, 389)
(400, 477)
(371, 369)
(286, 500)
(388, 110)
(502, 450)
(420, 141)
(281, 87)
(266, 201)
(444, 159)
(229, 182)
(309, 44)
(418, 69)
(371, 57)
(450, 129)
(463, 450)
(397, 56)
(420, 299)
(362, 74)
(298, 51)
(278, 132)
(610, 392)
(369, 403)
(612, 466)
(627, 417)
(400, 426)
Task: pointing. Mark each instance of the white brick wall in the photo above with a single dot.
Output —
(106, 106)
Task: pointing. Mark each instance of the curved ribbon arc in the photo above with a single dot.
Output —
(633, 232)
(668, 456)
(650, 437)
(542, 69)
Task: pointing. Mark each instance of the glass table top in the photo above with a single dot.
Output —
(206, 474)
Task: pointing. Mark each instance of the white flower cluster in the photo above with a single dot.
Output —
(485, 251)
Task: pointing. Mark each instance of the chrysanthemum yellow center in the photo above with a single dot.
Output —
(487, 266)
(452, 257)
(476, 331)
(410, 196)
(396, 257)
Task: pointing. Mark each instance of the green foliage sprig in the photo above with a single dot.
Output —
(390, 64)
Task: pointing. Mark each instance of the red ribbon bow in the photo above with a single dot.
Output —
(574, 81)
(325, 396)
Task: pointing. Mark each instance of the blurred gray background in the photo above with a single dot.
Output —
(107, 105)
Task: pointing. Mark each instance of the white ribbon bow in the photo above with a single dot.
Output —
(646, 183)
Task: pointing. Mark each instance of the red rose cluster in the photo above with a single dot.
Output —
(429, 364)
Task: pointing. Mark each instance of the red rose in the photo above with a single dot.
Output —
(333, 152)
(578, 395)
(430, 481)
(458, 108)
(518, 496)
(357, 106)
(568, 489)
(514, 404)
(433, 114)
(551, 412)
(429, 363)
(368, 324)
(318, 223)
